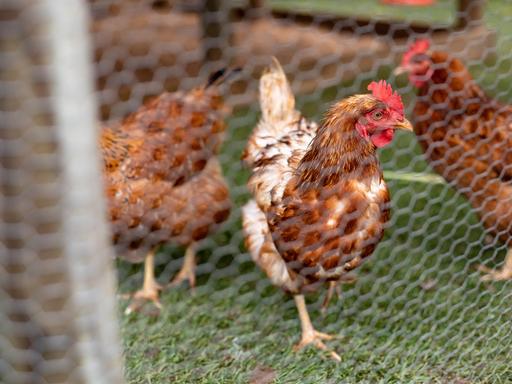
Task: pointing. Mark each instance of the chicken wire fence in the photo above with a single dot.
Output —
(416, 311)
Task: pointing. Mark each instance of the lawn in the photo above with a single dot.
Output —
(417, 314)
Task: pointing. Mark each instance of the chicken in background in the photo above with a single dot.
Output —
(164, 184)
(466, 137)
(320, 203)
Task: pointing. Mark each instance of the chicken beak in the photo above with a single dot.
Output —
(404, 125)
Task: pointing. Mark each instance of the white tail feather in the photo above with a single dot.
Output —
(276, 98)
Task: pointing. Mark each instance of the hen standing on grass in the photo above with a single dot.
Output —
(320, 202)
(466, 136)
(163, 181)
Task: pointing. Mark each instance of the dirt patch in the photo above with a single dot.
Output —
(262, 375)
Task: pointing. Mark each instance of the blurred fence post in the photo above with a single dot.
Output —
(57, 308)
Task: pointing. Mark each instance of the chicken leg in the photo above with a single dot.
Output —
(309, 334)
(150, 287)
(188, 270)
(504, 273)
(333, 287)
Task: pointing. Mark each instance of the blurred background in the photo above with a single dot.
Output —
(418, 312)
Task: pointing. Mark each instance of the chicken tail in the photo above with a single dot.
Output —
(276, 98)
(221, 76)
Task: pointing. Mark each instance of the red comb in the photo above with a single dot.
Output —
(382, 91)
(419, 46)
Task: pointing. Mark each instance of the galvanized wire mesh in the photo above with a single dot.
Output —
(418, 311)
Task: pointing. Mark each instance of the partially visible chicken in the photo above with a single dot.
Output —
(320, 202)
(466, 137)
(163, 182)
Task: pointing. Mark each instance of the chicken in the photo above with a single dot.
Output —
(466, 137)
(163, 181)
(319, 203)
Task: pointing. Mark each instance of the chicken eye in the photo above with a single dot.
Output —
(377, 115)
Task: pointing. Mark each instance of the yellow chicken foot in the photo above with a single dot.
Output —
(188, 270)
(504, 273)
(309, 334)
(150, 288)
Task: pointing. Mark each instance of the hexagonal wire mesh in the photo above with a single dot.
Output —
(417, 311)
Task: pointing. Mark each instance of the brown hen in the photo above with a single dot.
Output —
(466, 137)
(163, 181)
(320, 202)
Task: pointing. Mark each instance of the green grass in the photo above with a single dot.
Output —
(417, 314)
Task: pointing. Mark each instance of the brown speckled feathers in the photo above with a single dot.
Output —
(169, 138)
(145, 213)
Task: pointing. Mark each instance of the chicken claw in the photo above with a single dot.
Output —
(143, 295)
(495, 274)
(309, 334)
(498, 275)
(315, 338)
(150, 288)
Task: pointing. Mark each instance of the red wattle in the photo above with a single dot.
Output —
(382, 138)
